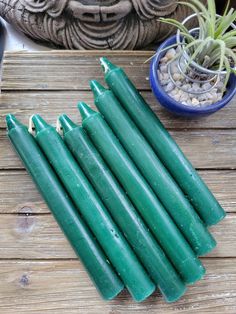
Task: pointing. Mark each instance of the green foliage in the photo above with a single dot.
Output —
(214, 45)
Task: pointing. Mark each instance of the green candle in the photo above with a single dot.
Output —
(164, 145)
(142, 196)
(153, 170)
(122, 211)
(79, 236)
(93, 211)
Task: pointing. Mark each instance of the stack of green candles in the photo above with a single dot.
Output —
(136, 212)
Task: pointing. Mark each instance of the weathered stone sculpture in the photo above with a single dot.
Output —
(93, 24)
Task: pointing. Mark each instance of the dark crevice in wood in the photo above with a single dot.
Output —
(184, 129)
(75, 259)
(198, 169)
(2, 170)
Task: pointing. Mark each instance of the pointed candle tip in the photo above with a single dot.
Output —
(85, 110)
(97, 88)
(39, 123)
(66, 123)
(12, 122)
(106, 65)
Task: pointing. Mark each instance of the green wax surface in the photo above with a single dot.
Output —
(66, 215)
(153, 170)
(93, 211)
(122, 211)
(164, 145)
(142, 196)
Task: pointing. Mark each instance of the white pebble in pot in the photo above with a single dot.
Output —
(184, 90)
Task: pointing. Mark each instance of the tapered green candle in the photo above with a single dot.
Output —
(140, 193)
(93, 211)
(122, 211)
(66, 215)
(153, 170)
(164, 145)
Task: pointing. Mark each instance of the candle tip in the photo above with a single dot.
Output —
(97, 88)
(39, 123)
(12, 122)
(85, 110)
(66, 123)
(106, 65)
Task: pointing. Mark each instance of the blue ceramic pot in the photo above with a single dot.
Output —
(176, 107)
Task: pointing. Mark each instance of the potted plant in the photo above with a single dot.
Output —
(193, 72)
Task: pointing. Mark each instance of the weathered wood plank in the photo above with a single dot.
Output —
(205, 148)
(64, 287)
(51, 104)
(22, 196)
(38, 236)
(67, 71)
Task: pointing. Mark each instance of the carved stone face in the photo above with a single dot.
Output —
(92, 24)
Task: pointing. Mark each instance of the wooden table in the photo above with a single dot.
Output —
(39, 272)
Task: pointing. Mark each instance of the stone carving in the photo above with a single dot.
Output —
(93, 24)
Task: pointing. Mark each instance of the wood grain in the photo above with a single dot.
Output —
(205, 148)
(30, 236)
(68, 71)
(23, 197)
(63, 287)
(50, 104)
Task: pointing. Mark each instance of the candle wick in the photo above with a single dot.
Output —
(59, 127)
(30, 128)
(104, 66)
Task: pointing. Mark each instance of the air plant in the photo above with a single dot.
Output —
(212, 45)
